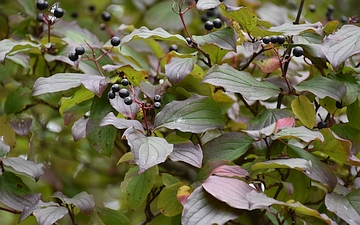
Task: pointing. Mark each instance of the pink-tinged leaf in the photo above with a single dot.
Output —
(202, 208)
(147, 151)
(187, 152)
(78, 130)
(230, 171)
(129, 111)
(57, 82)
(179, 67)
(237, 193)
(40, 204)
(341, 206)
(284, 122)
(301, 133)
(25, 167)
(183, 194)
(96, 84)
(119, 123)
(50, 214)
(83, 201)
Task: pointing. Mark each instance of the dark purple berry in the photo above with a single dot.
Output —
(41, 5)
(321, 125)
(111, 95)
(74, 14)
(173, 47)
(217, 23)
(209, 25)
(298, 51)
(330, 8)
(312, 8)
(281, 39)
(204, 17)
(73, 56)
(274, 39)
(128, 100)
(125, 82)
(266, 40)
(157, 98)
(91, 8)
(210, 12)
(115, 41)
(40, 17)
(339, 105)
(188, 40)
(123, 93)
(59, 12)
(105, 16)
(79, 50)
(115, 88)
(157, 105)
(344, 19)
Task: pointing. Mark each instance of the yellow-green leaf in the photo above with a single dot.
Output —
(168, 203)
(304, 110)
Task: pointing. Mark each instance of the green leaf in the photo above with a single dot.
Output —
(110, 216)
(331, 26)
(169, 179)
(134, 75)
(340, 46)
(304, 110)
(138, 186)
(246, 17)
(83, 201)
(346, 131)
(7, 134)
(215, 53)
(296, 29)
(147, 151)
(224, 38)
(239, 81)
(267, 117)
(158, 33)
(301, 133)
(352, 88)
(353, 112)
(342, 206)
(18, 100)
(228, 146)
(196, 114)
(322, 87)
(22, 166)
(57, 82)
(101, 138)
(179, 66)
(167, 202)
(354, 200)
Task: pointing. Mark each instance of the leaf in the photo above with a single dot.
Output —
(14, 193)
(4, 148)
(353, 112)
(304, 110)
(138, 186)
(179, 67)
(101, 138)
(202, 208)
(7, 134)
(301, 133)
(342, 207)
(78, 130)
(26, 167)
(50, 214)
(347, 132)
(83, 201)
(167, 201)
(228, 146)
(147, 151)
(18, 100)
(284, 123)
(354, 200)
(343, 44)
(196, 114)
(202, 5)
(246, 17)
(158, 33)
(110, 216)
(224, 38)
(96, 84)
(169, 179)
(215, 53)
(21, 123)
(38, 205)
(318, 171)
(230, 171)
(134, 75)
(239, 81)
(57, 82)
(238, 194)
(119, 123)
(322, 87)
(129, 111)
(296, 29)
(337, 148)
(187, 152)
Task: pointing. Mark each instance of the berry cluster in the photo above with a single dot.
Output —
(330, 13)
(79, 50)
(57, 12)
(157, 101)
(211, 13)
(122, 92)
(280, 39)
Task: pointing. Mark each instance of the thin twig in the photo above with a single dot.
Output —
(253, 111)
(299, 12)
(10, 210)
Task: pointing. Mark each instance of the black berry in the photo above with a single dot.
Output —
(79, 50)
(343, 19)
(312, 8)
(91, 8)
(339, 105)
(111, 95)
(73, 56)
(281, 39)
(115, 41)
(59, 12)
(274, 39)
(188, 40)
(204, 17)
(298, 51)
(128, 100)
(157, 98)
(210, 12)
(125, 82)
(266, 40)
(330, 8)
(74, 14)
(157, 105)
(123, 93)
(173, 47)
(105, 16)
(217, 23)
(41, 5)
(321, 125)
(115, 88)
(40, 17)
(209, 25)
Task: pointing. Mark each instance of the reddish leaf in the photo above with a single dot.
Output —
(230, 171)
(187, 152)
(284, 122)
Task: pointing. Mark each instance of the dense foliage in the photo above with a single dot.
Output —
(179, 112)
